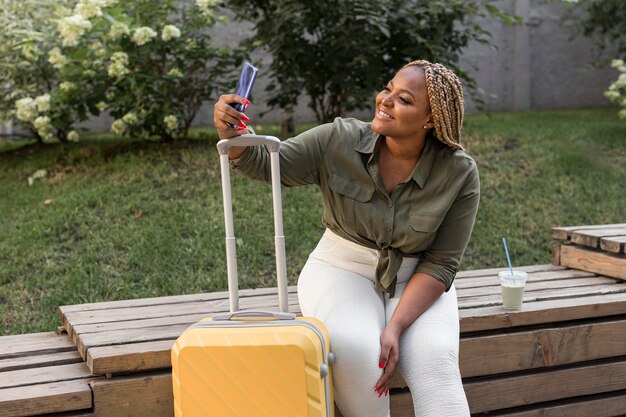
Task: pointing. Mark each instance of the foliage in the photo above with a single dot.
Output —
(340, 51)
(149, 63)
(28, 28)
(605, 21)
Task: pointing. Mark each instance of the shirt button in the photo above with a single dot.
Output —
(390, 204)
(388, 229)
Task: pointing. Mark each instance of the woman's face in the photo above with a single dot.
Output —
(402, 108)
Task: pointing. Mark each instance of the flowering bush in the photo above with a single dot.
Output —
(26, 76)
(617, 90)
(605, 21)
(149, 63)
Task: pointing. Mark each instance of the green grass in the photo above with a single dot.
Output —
(131, 220)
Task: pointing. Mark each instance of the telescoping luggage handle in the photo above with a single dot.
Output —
(273, 145)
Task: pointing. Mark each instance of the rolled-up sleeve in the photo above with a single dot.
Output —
(443, 258)
(300, 158)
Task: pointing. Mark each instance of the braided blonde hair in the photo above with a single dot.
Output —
(445, 95)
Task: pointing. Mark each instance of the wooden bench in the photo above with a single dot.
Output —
(563, 354)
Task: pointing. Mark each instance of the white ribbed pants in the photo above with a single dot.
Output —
(336, 286)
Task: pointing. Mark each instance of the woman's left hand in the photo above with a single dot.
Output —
(389, 357)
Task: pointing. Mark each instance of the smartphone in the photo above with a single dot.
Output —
(245, 83)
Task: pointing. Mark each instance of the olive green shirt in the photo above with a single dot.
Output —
(429, 215)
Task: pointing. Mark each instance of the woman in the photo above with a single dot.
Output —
(400, 199)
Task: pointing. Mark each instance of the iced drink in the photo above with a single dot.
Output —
(512, 287)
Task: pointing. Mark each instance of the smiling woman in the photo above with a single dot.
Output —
(400, 198)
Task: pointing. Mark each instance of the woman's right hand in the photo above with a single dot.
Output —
(224, 113)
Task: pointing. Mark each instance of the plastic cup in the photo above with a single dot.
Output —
(512, 287)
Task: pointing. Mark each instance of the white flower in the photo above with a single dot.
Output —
(118, 69)
(206, 7)
(223, 19)
(118, 127)
(88, 73)
(41, 122)
(624, 102)
(110, 95)
(611, 95)
(118, 30)
(72, 28)
(102, 106)
(26, 109)
(170, 32)
(143, 35)
(621, 81)
(56, 58)
(130, 118)
(111, 2)
(66, 86)
(73, 136)
(43, 102)
(171, 122)
(89, 8)
(622, 114)
(175, 72)
(616, 63)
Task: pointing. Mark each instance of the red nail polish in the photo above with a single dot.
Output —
(241, 128)
(245, 118)
(246, 101)
(381, 365)
(245, 107)
(242, 124)
(379, 394)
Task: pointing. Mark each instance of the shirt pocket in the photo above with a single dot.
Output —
(424, 227)
(350, 200)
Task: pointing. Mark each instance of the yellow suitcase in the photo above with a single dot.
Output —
(253, 363)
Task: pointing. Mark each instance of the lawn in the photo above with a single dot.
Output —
(142, 219)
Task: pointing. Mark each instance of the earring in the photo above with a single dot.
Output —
(425, 127)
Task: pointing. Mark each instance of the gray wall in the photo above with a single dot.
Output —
(535, 66)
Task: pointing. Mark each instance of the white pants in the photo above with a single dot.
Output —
(336, 286)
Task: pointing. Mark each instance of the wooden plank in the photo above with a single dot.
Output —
(146, 312)
(519, 351)
(494, 271)
(34, 343)
(615, 244)
(544, 295)
(591, 238)
(135, 396)
(535, 286)
(45, 398)
(592, 261)
(489, 280)
(551, 311)
(38, 361)
(597, 406)
(495, 393)
(165, 300)
(43, 375)
(131, 357)
(564, 233)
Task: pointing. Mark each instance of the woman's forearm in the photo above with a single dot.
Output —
(420, 293)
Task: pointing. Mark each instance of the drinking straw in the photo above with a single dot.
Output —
(508, 259)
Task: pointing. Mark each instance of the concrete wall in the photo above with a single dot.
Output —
(534, 66)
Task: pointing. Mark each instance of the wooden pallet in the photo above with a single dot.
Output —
(599, 248)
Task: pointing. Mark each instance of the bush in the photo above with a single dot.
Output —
(606, 21)
(149, 63)
(339, 53)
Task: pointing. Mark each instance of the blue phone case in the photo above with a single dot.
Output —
(245, 83)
